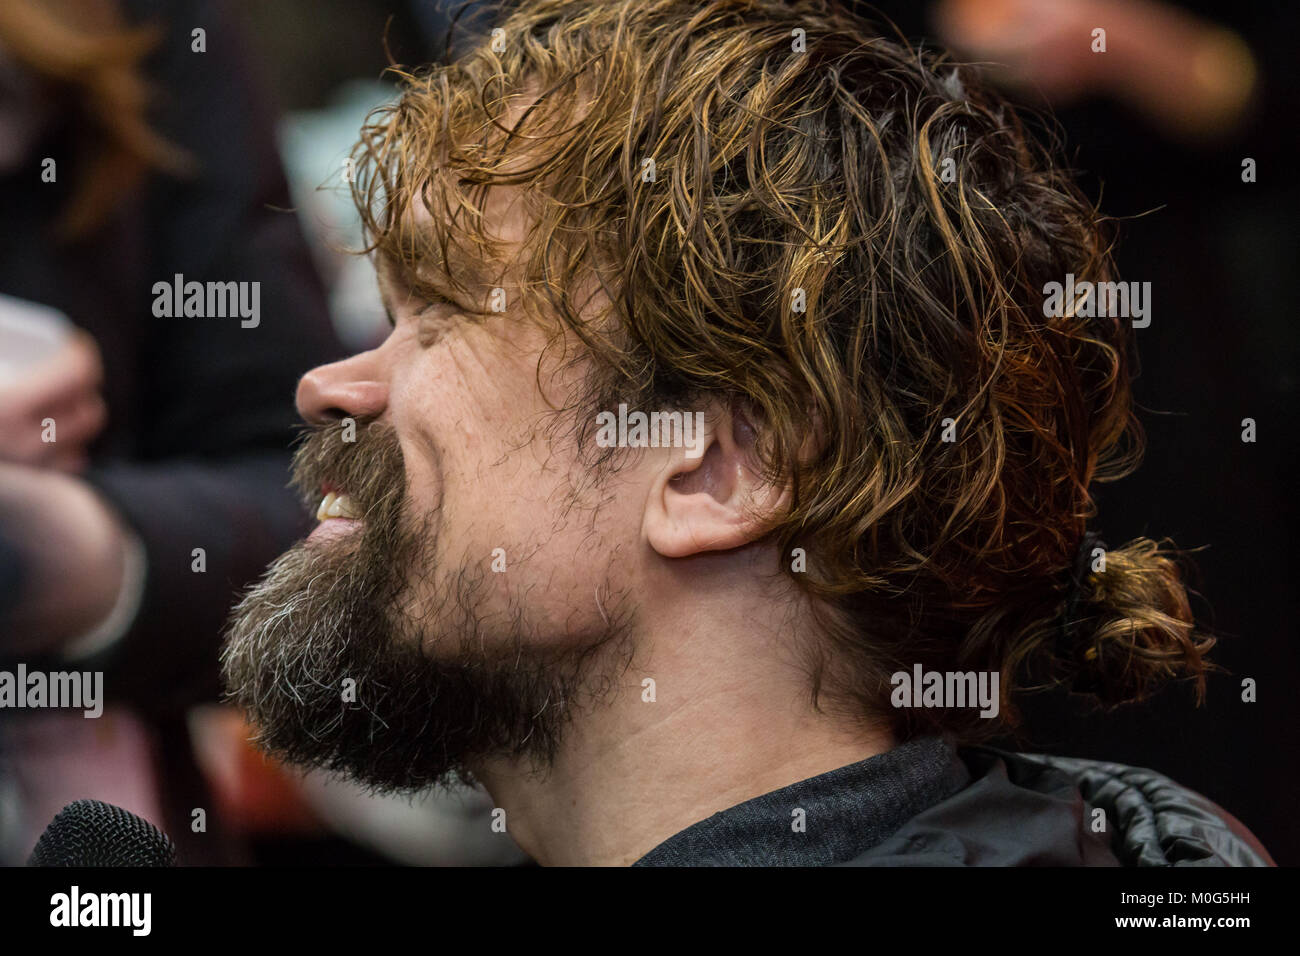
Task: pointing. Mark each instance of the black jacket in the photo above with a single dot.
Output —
(1037, 810)
(927, 802)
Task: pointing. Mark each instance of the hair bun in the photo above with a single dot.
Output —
(1130, 624)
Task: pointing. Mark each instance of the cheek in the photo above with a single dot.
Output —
(477, 449)
(419, 410)
(455, 453)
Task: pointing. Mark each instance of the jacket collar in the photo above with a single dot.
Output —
(823, 820)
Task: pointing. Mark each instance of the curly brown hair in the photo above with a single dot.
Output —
(848, 237)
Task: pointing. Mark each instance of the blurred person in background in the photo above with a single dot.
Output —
(136, 148)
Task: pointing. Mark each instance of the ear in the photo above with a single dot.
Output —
(712, 496)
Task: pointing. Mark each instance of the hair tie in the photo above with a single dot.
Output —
(1078, 577)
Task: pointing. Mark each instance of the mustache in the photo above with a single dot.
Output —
(361, 458)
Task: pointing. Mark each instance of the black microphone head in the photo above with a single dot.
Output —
(94, 833)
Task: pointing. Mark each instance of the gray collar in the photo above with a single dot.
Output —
(844, 813)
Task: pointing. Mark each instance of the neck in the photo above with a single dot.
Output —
(731, 719)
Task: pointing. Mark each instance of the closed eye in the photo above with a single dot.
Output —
(432, 300)
(434, 318)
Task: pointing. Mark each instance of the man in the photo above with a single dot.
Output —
(726, 468)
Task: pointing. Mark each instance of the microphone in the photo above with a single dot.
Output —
(94, 833)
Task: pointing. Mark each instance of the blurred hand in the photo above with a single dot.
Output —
(1191, 76)
(1043, 45)
(72, 551)
(65, 388)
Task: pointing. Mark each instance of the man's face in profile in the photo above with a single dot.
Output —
(468, 583)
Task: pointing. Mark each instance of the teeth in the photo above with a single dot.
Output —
(336, 506)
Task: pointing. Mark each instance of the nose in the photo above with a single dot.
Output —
(352, 388)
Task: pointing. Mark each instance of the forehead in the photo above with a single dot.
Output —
(469, 242)
(474, 247)
(510, 235)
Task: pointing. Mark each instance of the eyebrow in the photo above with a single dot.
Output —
(433, 291)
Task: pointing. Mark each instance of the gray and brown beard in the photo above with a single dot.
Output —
(336, 672)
